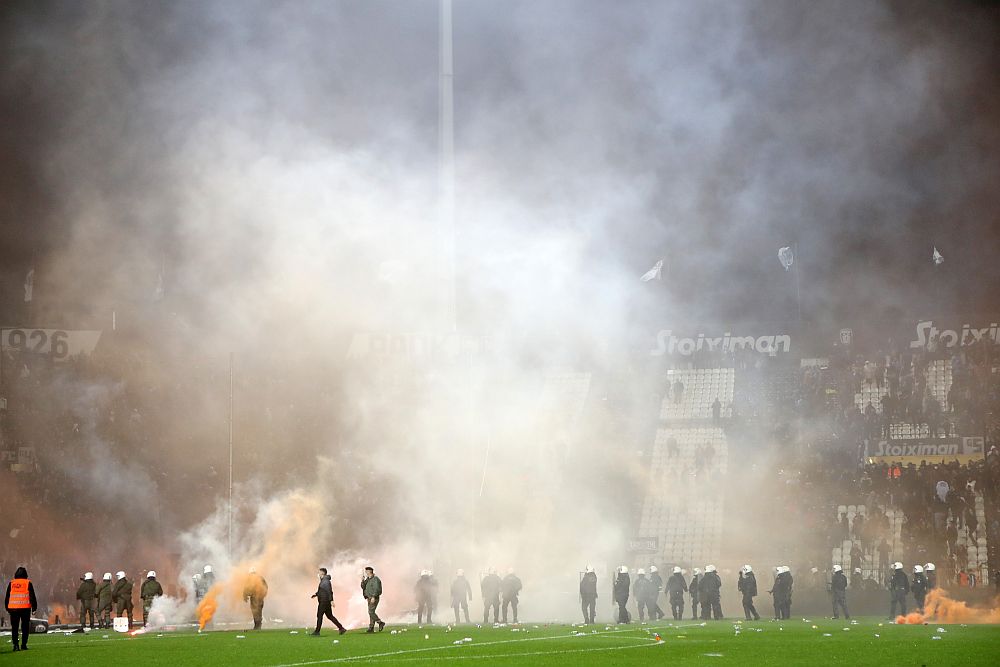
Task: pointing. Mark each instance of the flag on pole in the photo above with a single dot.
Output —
(29, 285)
(937, 257)
(653, 272)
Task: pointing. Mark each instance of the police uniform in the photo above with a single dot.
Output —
(919, 587)
(511, 588)
(461, 594)
(424, 593)
(588, 595)
(899, 586)
(489, 587)
(86, 593)
(676, 588)
(150, 590)
(622, 587)
(838, 591)
(748, 587)
(121, 596)
(656, 585)
(104, 599)
(693, 589)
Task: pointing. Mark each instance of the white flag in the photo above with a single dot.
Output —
(653, 272)
(29, 285)
(937, 257)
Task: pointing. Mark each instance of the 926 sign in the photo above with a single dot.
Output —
(59, 343)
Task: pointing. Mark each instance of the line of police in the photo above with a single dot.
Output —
(99, 602)
(924, 580)
(704, 589)
(498, 594)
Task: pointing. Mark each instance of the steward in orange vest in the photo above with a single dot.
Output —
(20, 602)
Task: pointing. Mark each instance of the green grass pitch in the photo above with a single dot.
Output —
(795, 642)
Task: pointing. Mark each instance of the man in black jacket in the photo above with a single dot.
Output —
(748, 587)
(676, 588)
(324, 602)
(622, 587)
(588, 595)
(838, 591)
(899, 586)
(461, 594)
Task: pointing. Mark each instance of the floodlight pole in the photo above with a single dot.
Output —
(798, 291)
(446, 161)
(230, 456)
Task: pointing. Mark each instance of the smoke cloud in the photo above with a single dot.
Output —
(274, 166)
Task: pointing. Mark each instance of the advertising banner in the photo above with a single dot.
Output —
(931, 450)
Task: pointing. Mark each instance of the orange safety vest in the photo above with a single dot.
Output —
(19, 597)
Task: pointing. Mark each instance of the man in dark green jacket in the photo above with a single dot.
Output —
(87, 594)
(371, 588)
(150, 590)
(104, 609)
(121, 596)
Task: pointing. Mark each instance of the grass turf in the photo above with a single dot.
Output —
(685, 642)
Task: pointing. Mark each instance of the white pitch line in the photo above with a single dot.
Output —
(386, 654)
(495, 656)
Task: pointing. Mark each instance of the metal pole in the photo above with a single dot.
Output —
(446, 157)
(486, 463)
(798, 292)
(230, 455)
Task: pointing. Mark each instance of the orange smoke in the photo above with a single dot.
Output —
(207, 606)
(940, 608)
(913, 618)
